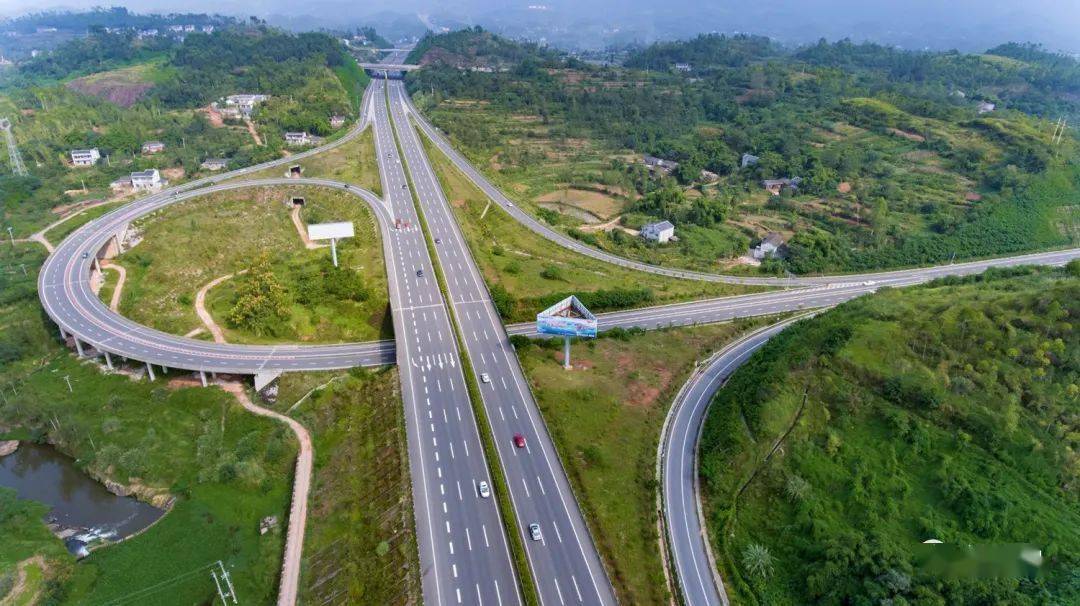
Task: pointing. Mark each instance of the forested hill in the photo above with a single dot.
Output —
(949, 411)
(475, 47)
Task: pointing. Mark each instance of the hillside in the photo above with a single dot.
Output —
(947, 412)
(116, 91)
(897, 158)
(473, 48)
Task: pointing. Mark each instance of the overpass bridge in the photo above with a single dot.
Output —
(389, 67)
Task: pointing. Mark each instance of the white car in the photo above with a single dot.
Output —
(534, 532)
(485, 492)
(485, 377)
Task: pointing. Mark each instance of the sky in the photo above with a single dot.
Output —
(940, 24)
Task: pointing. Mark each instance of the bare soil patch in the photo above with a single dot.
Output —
(123, 87)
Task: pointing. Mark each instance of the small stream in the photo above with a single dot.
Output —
(82, 510)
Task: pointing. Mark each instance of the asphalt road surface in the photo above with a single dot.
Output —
(695, 571)
(565, 563)
(464, 553)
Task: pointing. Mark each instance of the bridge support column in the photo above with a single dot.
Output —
(78, 347)
(164, 369)
(63, 335)
(150, 371)
(108, 360)
(566, 353)
(202, 376)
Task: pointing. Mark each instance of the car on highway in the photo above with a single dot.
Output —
(485, 377)
(419, 273)
(485, 492)
(534, 532)
(438, 240)
(86, 255)
(519, 440)
(404, 186)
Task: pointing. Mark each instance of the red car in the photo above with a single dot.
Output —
(519, 440)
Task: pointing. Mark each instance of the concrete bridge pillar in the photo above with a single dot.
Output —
(108, 360)
(150, 371)
(63, 335)
(78, 347)
(202, 376)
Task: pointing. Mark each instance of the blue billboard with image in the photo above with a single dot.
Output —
(567, 318)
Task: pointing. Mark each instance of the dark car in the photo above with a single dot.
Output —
(419, 273)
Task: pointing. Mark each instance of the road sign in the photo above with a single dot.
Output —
(332, 232)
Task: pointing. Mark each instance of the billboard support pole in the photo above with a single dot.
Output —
(333, 249)
(566, 352)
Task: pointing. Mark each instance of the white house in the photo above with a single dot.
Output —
(244, 103)
(148, 180)
(768, 247)
(214, 163)
(297, 139)
(153, 147)
(683, 67)
(658, 232)
(986, 107)
(337, 121)
(85, 157)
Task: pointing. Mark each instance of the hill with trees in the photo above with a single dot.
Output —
(948, 411)
(901, 158)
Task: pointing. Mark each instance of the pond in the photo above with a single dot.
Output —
(82, 510)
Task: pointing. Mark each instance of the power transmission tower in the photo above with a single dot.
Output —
(223, 583)
(14, 158)
(1059, 131)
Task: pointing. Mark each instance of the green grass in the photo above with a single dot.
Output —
(360, 545)
(513, 260)
(605, 417)
(353, 162)
(945, 411)
(224, 233)
(58, 233)
(354, 80)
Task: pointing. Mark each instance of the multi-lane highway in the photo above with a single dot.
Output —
(565, 563)
(464, 553)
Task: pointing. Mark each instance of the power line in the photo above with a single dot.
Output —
(14, 158)
(158, 586)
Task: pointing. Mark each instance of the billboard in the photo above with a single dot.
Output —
(567, 318)
(330, 231)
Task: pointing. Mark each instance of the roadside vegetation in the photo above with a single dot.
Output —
(353, 162)
(605, 417)
(360, 547)
(946, 411)
(898, 159)
(290, 293)
(225, 468)
(526, 273)
(116, 91)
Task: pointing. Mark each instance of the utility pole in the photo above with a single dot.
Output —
(11, 234)
(67, 379)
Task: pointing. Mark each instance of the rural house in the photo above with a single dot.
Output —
(337, 121)
(297, 139)
(665, 166)
(768, 247)
(243, 104)
(775, 186)
(683, 67)
(214, 163)
(85, 157)
(748, 160)
(153, 147)
(661, 232)
(985, 107)
(146, 180)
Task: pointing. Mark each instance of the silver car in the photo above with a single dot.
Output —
(484, 490)
(534, 532)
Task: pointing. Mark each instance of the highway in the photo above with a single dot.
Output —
(464, 552)
(565, 563)
(687, 541)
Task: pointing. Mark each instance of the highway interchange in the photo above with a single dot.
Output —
(464, 552)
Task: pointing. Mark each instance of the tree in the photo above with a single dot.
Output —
(757, 560)
(261, 302)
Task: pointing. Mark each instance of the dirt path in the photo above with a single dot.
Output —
(294, 538)
(200, 307)
(302, 230)
(114, 303)
(254, 133)
(40, 238)
(15, 595)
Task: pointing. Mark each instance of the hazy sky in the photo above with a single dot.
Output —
(965, 24)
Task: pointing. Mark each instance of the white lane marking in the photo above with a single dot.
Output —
(479, 598)
(559, 591)
(498, 594)
(541, 485)
(458, 595)
(558, 535)
(526, 485)
(513, 409)
(484, 529)
(573, 579)
(468, 539)
(459, 495)
(466, 445)
(453, 567)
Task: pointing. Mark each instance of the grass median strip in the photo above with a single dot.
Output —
(487, 441)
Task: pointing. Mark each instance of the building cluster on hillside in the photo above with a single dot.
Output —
(214, 164)
(153, 147)
(297, 139)
(239, 105)
(659, 164)
(772, 245)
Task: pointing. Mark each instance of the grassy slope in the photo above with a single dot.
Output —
(354, 162)
(605, 417)
(57, 234)
(945, 411)
(512, 257)
(161, 285)
(360, 545)
(187, 446)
